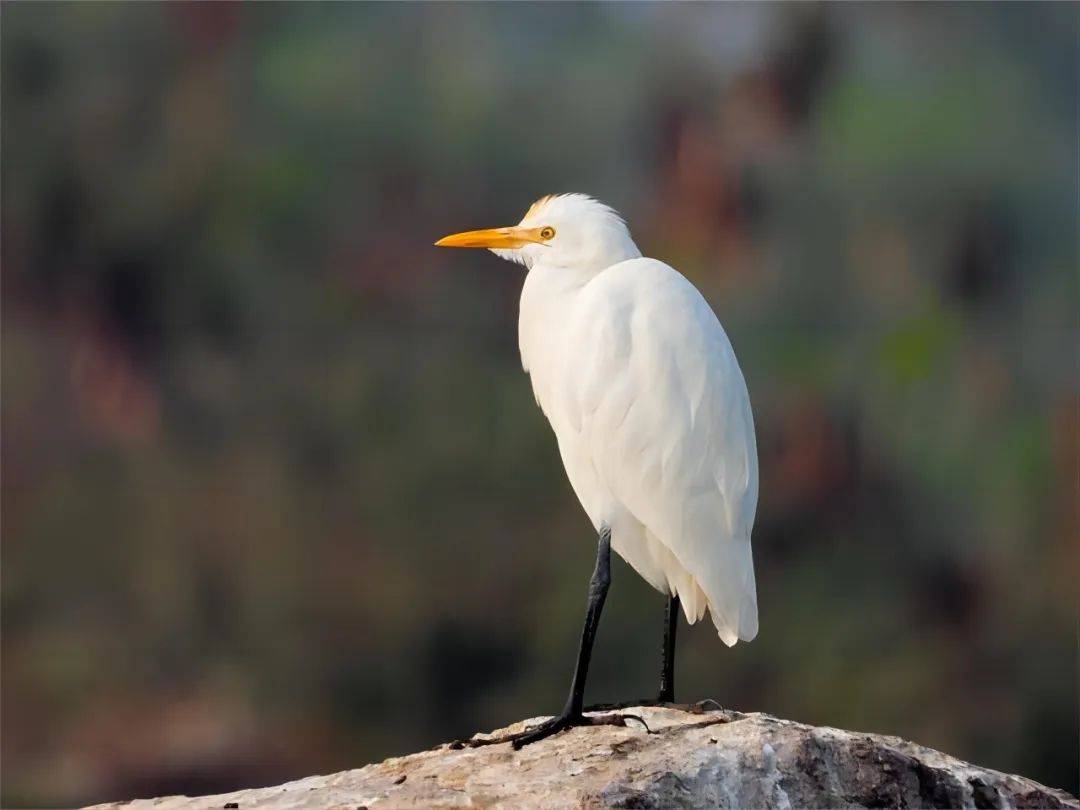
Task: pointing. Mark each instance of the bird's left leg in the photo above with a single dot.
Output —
(598, 587)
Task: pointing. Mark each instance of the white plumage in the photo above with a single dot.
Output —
(647, 401)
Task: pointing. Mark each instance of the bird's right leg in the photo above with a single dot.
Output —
(667, 667)
(667, 664)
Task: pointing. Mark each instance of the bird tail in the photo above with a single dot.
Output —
(727, 589)
(732, 592)
(737, 619)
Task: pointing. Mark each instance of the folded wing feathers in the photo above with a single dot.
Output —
(676, 445)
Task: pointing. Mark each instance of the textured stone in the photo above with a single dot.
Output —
(689, 758)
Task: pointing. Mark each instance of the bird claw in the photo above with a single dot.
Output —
(565, 721)
(617, 720)
(706, 705)
(550, 727)
(628, 704)
(547, 728)
(701, 707)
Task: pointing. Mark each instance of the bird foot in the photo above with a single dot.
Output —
(706, 705)
(701, 707)
(552, 726)
(626, 704)
(570, 720)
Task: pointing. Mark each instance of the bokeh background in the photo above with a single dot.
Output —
(276, 496)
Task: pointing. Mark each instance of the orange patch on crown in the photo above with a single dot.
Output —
(536, 206)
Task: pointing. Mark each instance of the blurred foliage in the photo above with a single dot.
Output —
(276, 497)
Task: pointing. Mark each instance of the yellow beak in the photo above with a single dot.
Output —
(493, 238)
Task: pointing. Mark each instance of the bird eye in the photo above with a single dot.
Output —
(547, 232)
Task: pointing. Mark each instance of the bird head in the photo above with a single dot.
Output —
(562, 230)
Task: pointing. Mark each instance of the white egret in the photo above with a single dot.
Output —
(652, 417)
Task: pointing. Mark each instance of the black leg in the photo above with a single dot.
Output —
(598, 588)
(667, 669)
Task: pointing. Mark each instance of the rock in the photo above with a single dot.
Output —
(690, 757)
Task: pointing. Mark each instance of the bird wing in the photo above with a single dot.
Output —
(663, 410)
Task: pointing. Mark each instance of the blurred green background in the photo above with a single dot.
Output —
(276, 496)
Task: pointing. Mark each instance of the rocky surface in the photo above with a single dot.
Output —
(690, 757)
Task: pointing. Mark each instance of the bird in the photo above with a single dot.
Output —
(652, 418)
